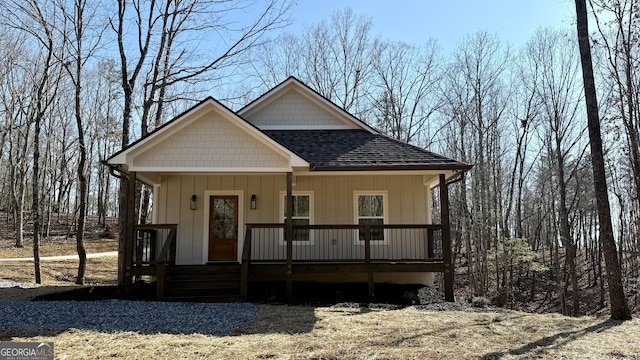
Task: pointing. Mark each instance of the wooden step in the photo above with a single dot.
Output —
(201, 292)
(203, 284)
(219, 282)
(204, 272)
(225, 275)
(206, 299)
(208, 268)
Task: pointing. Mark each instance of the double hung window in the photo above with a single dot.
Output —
(302, 216)
(371, 210)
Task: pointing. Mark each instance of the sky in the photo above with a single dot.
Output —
(448, 21)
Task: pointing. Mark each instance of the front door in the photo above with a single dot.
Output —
(223, 228)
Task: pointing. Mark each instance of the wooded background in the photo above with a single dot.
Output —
(81, 79)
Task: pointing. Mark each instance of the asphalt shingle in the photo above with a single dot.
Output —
(359, 150)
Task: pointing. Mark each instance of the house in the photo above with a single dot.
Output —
(223, 181)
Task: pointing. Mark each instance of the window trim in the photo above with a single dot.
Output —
(385, 215)
(283, 195)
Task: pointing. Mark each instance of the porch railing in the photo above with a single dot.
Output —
(154, 247)
(345, 243)
(154, 243)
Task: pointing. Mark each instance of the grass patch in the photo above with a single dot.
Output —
(300, 332)
(59, 248)
(57, 276)
(294, 332)
(100, 271)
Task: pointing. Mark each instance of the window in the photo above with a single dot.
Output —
(302, 216)
(371, 209)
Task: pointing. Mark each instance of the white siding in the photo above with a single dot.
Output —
(293, 109)
(407, 200)
(211, 142)
(173, 206)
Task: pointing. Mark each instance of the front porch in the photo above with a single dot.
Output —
(367, 252)
(337, 251)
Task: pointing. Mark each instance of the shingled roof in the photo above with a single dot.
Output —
(339, 150)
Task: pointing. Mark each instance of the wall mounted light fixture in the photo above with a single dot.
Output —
(254, 202)
(192, 202)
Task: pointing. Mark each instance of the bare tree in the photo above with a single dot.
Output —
(619, 40)
(477, 98)
(106, 133)
(560, 95)
(619, 34)
(405, 96)
(83, 37)
(338, 58)
(19, 138)
(334, 57)
(34, 19)
(274, 62)
(617, 299)
(524, 117)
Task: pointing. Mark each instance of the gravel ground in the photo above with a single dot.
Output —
(150, 317)
(46, 317)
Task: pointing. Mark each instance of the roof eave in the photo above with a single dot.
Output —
(456, 168)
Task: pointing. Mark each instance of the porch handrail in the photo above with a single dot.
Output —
(169, 246)
(159, 261)
(348, 226)
(167, 253)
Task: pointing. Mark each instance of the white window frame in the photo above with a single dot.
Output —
(283, 196)
(385, 215)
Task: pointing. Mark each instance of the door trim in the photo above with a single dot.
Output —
(241, 227)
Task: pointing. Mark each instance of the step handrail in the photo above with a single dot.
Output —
(169, 248)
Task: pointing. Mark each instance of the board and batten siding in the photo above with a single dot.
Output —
(174, 195)
(210, 141)
(407, 196)
(294, 109)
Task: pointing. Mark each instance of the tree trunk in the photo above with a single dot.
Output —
(35, 211)
(18, 188)
(618, 301)
(19, 223)
(565, 233)
(81, 170)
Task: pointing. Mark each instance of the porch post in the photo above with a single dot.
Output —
(128, 241)
(289, 234)
(367, 259)
(446, 239)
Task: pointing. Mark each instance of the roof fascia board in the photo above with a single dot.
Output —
(429, 173)
(439, 168)
(229, 172)
(200, 170)
(305, 127)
